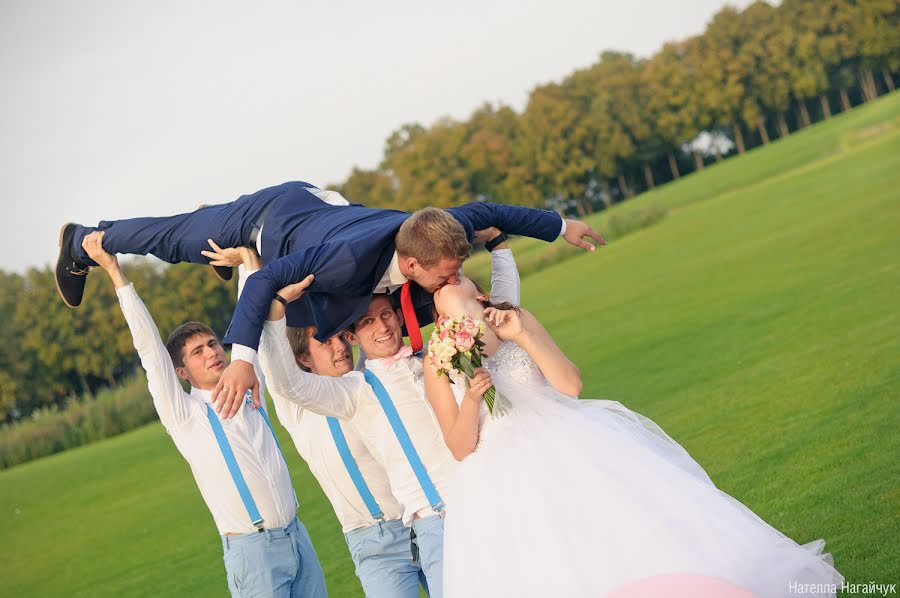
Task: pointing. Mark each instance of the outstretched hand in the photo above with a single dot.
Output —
(236, 380)
(230, 256)
(576, 231)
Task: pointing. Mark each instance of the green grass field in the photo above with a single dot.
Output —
(757, 323)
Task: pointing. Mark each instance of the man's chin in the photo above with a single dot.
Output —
(381, 351)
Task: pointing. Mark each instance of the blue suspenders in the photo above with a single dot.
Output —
(353, 469)
(405, 443)
(233, 468)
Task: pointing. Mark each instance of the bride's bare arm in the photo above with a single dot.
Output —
(458, 423)
(527, 332)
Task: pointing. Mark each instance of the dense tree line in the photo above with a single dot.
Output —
(606, 132)
(624, 125)
(50, 354)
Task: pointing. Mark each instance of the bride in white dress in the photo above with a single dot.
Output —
(568, 497)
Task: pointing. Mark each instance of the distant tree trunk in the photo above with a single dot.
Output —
(845, 100)
(673, 166)
(648, 176)
(867, 84)
(739, 138)
(863, 86)
(782, 126)
(718, 150)
(607, 196)
(698, 160)
(826, 108)
(871, 80)
(888, 79)
(623, 185)
(763, 133)
(804, 113)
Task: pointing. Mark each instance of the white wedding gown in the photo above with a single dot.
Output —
(566, 497)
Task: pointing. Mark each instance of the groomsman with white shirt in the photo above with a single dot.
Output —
(386, 410)
(237, 463)
(355, 484)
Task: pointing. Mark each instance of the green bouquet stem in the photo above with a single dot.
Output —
(489, 396)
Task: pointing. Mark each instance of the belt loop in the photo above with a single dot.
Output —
(269, 535)
(225, 542)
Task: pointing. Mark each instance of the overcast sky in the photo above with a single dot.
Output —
(115, 109)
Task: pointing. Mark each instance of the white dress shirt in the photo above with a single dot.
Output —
(314, 442)
(185, 418)
(351, 398)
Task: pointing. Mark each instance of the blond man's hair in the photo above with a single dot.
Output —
(430, 235)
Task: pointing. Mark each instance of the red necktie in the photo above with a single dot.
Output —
(409, 318)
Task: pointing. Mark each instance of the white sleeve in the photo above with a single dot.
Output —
(171, 402)
(562, 229)
(505, 283)
(335, 397)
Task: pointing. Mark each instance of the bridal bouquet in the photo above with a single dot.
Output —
(456, 345)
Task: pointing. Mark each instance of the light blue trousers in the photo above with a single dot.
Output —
(384, 562)
(275, 562)
(429, 533)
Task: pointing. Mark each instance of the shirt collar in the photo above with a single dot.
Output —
(380, 365)
(203, 395)
(394, 274)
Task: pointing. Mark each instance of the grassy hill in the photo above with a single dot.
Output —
(756, 323)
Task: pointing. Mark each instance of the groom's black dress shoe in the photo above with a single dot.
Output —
(70, 275)
(224, 272)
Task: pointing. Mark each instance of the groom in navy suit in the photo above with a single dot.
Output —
(301, 230)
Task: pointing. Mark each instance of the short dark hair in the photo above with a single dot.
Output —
(299, 341)
(181, 335)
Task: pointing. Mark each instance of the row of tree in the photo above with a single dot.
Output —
(604, 133)
(50, 354)
(626, 124)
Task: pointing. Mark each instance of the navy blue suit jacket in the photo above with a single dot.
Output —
(348, 248)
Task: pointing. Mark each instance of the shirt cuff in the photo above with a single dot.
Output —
(126, 291)
(562, 229)
(243, 353)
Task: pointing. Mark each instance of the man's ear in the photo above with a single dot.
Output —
(399, 313)
(411, 263)
(304, 361)
(351, 338)
(182, 373)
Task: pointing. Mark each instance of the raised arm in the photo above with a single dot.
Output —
(528, 222)
(169, 398)
(335, 262)
(336, 397)
(505, 282)
(525, 330)
(459, 423)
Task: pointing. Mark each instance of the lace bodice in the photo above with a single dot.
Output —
(512, 364)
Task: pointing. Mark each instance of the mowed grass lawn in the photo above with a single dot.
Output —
(757, 323)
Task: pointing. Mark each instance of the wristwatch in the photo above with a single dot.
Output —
(492, 244)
